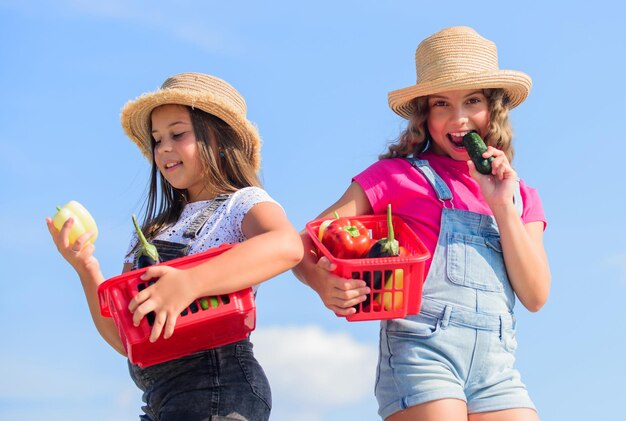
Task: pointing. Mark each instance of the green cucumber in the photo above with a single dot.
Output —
(475, 148)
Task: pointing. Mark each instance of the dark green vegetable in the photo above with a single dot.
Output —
(387, 246)
(475, 147)
(384, 247)
(148, 254)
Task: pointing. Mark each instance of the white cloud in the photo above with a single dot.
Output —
(316, 370)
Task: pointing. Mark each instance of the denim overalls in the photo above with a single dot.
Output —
(462, 343)
(224, 383)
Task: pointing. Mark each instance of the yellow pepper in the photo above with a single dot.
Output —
(398, 297)
(83, 221)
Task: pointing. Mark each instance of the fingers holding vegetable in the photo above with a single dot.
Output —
(82, 223)
(72, 228)
(79, 254)
(501, 167)
(491, 168)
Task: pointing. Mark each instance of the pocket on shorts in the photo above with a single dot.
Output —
(422, 326)
(476, 262)
(509, 340)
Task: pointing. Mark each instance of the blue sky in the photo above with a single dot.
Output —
(315, 77)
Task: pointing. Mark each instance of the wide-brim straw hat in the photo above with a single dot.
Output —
(458, 58)
(196, 90)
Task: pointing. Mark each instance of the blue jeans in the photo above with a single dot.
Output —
(225, 383)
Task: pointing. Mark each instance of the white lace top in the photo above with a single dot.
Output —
(223, 226)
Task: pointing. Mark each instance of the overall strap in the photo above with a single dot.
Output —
(441, 188)
(196, 225)
(443, 192)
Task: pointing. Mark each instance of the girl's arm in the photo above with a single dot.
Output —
(88, 269)
(337, 294)
(525, 257)
(273, 246)
(522, 244)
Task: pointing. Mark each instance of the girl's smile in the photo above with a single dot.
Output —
(176, 151)
(453, 114)
(457, 138)
(171, 165)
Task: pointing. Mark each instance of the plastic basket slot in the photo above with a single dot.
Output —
(150, 317)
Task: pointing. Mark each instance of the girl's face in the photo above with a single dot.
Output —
(451, 115)
(176, 151)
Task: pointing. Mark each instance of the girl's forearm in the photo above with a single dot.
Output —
(249, 263)
(105, 325)
(524, 257)
(309, 259)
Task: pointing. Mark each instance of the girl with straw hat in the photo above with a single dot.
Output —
(204, 191)
(455, 359)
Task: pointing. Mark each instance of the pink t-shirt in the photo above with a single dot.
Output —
(411, 196)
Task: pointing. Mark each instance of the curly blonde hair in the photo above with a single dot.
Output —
(415, 138)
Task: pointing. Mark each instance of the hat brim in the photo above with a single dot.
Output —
(516, 84)
(135, 117)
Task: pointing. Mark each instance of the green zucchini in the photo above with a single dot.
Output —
(475, 147)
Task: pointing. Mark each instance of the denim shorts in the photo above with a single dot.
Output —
(225, 383)
(449, 352)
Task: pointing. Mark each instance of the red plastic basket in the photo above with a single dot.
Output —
(401, 292)
(206, 323)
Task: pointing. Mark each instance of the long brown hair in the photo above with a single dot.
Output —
(415, 138)
(234, 171)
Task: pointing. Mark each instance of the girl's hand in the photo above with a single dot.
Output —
(80, 254)
(338, 294)
(498, 187)
(167, 298)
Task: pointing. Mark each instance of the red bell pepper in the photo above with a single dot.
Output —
(346, 238)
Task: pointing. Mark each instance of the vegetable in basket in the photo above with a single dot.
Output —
(346, 239)
(148, 254)
(83, 221)
(206, 302)
(386, 247)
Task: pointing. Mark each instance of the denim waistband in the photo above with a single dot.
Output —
(451, 314)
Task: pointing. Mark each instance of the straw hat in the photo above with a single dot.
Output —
(458, 58)
(197, 90)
